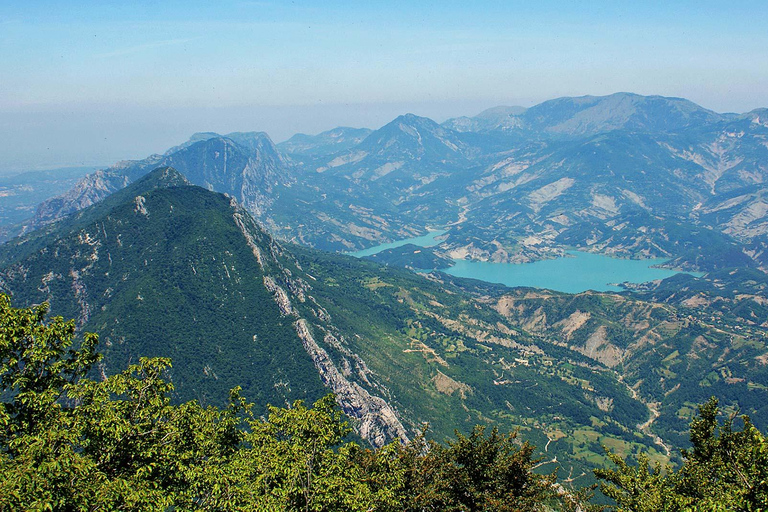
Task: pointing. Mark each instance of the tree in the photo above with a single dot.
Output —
(725, 469)
(37, 363)
(69, 442)
(475, 472)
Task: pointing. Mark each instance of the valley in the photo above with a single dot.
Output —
(231, 255)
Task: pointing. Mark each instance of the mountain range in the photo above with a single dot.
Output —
(513, 179)
(211, 254)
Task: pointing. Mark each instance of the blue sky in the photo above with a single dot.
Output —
(92, 82)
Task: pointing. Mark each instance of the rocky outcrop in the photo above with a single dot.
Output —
(376, 420)
(89, 190)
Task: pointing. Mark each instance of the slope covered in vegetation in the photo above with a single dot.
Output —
(71, 443)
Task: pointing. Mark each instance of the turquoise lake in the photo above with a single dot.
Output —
(578, 272)
(427, 240)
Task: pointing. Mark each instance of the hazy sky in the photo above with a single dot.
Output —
(91, 82)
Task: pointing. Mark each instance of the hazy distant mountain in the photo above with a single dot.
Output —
(325, 143)
(519, 178)
(742, 212)
(21, 193)
(492, 119)
(589, 115)
(411, 147)
(244, 165)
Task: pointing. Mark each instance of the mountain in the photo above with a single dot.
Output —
(620, 174)
(409, 138)
(590, 115)
(20, 193)
(365, 195)
(165, 268)
(661, 351)
(244, 165)
(493, 119)
(325, 143)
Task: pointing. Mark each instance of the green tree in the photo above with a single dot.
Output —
(725, 469)
(475, 472)
(37, 362)
(120, 443)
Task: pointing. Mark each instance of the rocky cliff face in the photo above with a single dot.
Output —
(89, 190)
(246, 166)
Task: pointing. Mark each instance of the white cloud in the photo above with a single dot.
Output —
(144, 47)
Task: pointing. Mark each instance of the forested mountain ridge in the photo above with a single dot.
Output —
(164, 268)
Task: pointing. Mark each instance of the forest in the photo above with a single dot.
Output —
(74, 439)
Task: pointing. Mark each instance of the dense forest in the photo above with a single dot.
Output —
(71, 439)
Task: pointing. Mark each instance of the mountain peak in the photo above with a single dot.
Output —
(163, 177)
(414, 120)
(328, 142)
(252, 141)
(492, 119)
(586, 115)
(413, 136)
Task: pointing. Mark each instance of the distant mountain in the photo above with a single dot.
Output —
(741, 213)
(416, 137)
(520, 180)
(410, 147)
(590, 115)
(492, 119)
(325, 143)
(361, 196)
(758, 116)
(244, 165)
(21, 193)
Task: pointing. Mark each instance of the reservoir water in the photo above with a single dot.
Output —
(578, 272)
(427, 240)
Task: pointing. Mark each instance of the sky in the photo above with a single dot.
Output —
(94, 82)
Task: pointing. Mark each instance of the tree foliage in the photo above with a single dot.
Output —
(69, 442)
(725, 469)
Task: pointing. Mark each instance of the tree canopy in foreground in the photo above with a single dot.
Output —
(71, 442)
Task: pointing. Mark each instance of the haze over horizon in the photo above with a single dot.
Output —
(91, 82)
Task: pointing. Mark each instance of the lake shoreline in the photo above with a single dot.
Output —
(574, 272)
